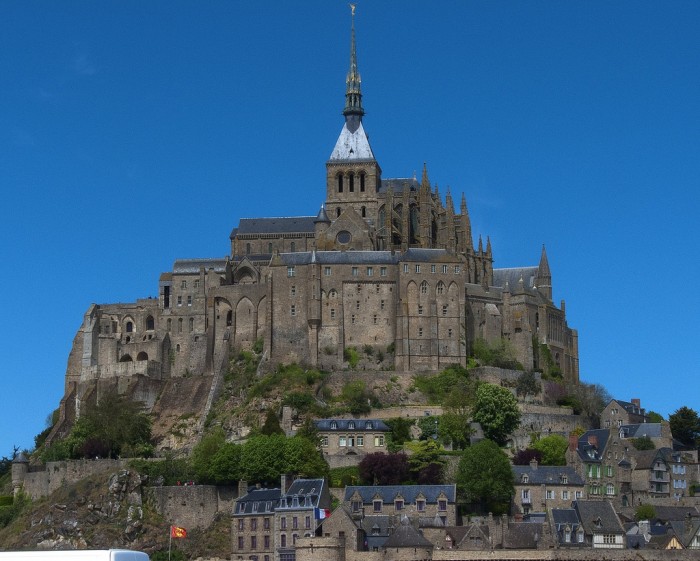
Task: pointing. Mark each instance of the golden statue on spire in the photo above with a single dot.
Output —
(352, 8)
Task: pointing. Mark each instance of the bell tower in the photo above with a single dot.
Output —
(353, 176)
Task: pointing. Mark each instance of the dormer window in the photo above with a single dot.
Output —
(370, 426)
(351, 425)
(334, 425)
(565, 479)
(525, 478)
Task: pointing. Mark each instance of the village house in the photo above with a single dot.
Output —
(539, 488)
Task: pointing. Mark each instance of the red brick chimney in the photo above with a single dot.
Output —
(573, 442)
(636, 402)
(593, 440)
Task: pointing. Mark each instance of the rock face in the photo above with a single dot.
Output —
(86, 516)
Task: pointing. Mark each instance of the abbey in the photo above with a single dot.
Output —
(385, 264)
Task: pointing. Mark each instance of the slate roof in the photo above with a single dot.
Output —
(275, 225)
(343, 424)
(522, 535)
(668, 513)
(406, 535)
(645, 459)
(258, 501)
(397, 184)
(192, 266)
(340, 257)
(425, 255)
(302, 489)
(563, 518)
(352, 145)
(686, 530)
(589, 452)
(546, 475)
(598, 517)
(376, 529)
(409, 492)
(652, 430)
(513, 275)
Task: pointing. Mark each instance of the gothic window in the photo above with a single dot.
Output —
(247, 249)
(351, 182)
(150, 323)
(413, 225)
(440, 287)
(179, 325)
(362, 183)
(229, 318)
(423, 287)
(340, 182)
(191, 325)
(129, 327)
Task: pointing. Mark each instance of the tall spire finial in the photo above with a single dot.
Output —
(353, 94)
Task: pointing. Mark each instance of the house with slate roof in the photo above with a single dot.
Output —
(567, 528)
(540, 488)
(386, 263)
(601, 526)
(346, 438)
(252, 525)
(413, 501)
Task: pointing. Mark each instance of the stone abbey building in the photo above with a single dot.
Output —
(385, 263)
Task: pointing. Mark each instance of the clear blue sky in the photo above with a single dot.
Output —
(134, 133)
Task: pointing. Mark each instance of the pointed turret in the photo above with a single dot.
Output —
(543, 280)
(424, 181)
(353, 92)
(466, 225)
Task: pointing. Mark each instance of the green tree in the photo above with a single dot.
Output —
(485, 477)
(400, 432)
(201, 459)
(655, 417)
(643, 443)
(553, 449)
(497, 410)
(271, 424)
(644, 512)
(426, 463)
(263, 459)
(527, 384)
(226, 464)
(685, 426)
(303, 457)
(115, 426)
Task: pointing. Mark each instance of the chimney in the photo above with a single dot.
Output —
(637, 405)
(533, 464)
(242, 488)
(593, 440)
(573, 442)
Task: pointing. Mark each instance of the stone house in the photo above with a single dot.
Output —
(252, 524)
(601, 526)
(413, 501)
(298, 514)
(351, 437)
(567, 529)
(618, 413)
(651, 476)
(540, 488)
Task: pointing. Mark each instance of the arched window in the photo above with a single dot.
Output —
(179, 325)
(351, 182)
(129, 327)
(337, 211)
(191, 325)
(229, 318)
(125, 358)
(142, 356)
(362, 182)
(150, 323)
(340, 182)
(424, 287)
(247, 249)
(364, 212)
(269, 247)
(441, 287)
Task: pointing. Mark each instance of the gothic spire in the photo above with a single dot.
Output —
(543, 280)
(353, 94)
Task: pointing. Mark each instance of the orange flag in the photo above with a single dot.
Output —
(177, 532)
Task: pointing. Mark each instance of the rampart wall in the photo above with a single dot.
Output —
(192, 506)
(42, 481)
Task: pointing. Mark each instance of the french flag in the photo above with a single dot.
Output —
(321, 513)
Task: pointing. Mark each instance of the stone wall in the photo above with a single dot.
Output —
(192, 506)
(42, 481)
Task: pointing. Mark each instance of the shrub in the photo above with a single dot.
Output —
(351, 356)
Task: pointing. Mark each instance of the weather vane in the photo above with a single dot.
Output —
(352, 8)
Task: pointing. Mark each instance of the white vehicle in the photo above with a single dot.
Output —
(75, 555)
